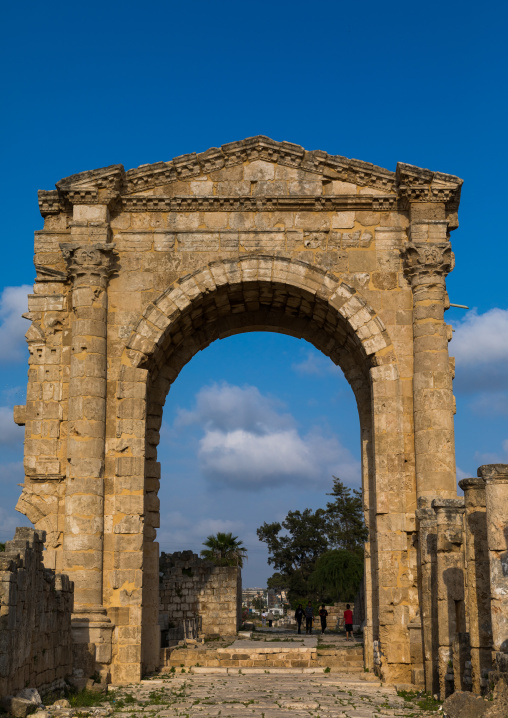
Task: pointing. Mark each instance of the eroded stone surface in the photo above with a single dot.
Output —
(139, 270)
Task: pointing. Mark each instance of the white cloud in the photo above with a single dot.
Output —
(10, 433)
(316, 364)
(226, 407)
(246, 460)
(249, 442)
(481, 338)
(480, 346)
(13, 303)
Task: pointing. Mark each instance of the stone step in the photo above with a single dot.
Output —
(257, 671)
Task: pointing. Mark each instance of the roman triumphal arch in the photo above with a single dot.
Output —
(139, 270)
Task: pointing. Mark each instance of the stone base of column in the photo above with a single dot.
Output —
(368, 649)
(93, 626)
(416, 649)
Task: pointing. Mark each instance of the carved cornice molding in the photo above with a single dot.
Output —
(415, 184)
(426, 263)
(152, 203)
(408, 183)
(89, 262)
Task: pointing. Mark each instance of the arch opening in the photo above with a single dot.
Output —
(310, 305)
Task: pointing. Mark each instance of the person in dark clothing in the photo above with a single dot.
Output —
(323, 613)
(299, 614)
(309, 616)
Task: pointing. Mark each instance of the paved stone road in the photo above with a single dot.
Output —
(263, 696)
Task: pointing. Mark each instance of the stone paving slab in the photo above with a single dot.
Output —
(282, 695)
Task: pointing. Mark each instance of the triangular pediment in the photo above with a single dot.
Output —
(313, 165)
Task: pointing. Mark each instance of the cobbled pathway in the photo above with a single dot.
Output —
(262, 696)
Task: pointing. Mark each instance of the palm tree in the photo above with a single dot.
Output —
(224, 549)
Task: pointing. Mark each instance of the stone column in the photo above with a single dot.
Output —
(426, 265)
(450, 587)
(89, 265)
(496, 490)
(427, 557)
(478, 579)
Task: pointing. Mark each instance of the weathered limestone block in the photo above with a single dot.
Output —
(35, 618)
(478, 579)
(496, 490)
(450, 587)
(191, 587)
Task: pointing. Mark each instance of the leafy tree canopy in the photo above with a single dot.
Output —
(337, 575)
(224, 549)
(296, 544)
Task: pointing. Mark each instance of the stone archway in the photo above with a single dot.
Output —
(139, 270)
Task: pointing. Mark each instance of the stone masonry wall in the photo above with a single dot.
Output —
(35, 618)
(190, 587)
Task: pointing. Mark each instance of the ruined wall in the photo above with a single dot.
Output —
(35, 618)
(190, 586)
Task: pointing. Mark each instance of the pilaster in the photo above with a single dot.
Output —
(426, 265)
(89, 258)
(478, 579)
(427, 559)
(451, 613)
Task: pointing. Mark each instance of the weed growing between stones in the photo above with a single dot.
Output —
(424, 701)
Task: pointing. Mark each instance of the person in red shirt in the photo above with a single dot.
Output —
(348, 622)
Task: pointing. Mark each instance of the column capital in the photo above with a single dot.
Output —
(472, 483)
(494, 472)
(89, 263)
(444, 506)
(426, 263)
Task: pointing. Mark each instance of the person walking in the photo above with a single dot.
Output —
(323, 613)
(348, 622)
(299, 614)
(309, 617)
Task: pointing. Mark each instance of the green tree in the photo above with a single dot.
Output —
(345, 522)
(294, 552)
(2, 547)
(337, 575)
(296, 544)
(224, 549)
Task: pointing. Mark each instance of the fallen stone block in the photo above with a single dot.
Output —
(464, 705)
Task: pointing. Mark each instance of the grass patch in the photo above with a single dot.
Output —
(424, 701)
(87, 698)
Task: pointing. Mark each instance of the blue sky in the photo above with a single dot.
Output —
(85, 86)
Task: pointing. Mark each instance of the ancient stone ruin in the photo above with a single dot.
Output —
(138, 270)
(35, 618)
(194, 590)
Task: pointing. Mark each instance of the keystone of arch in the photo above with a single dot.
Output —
(295, 274)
